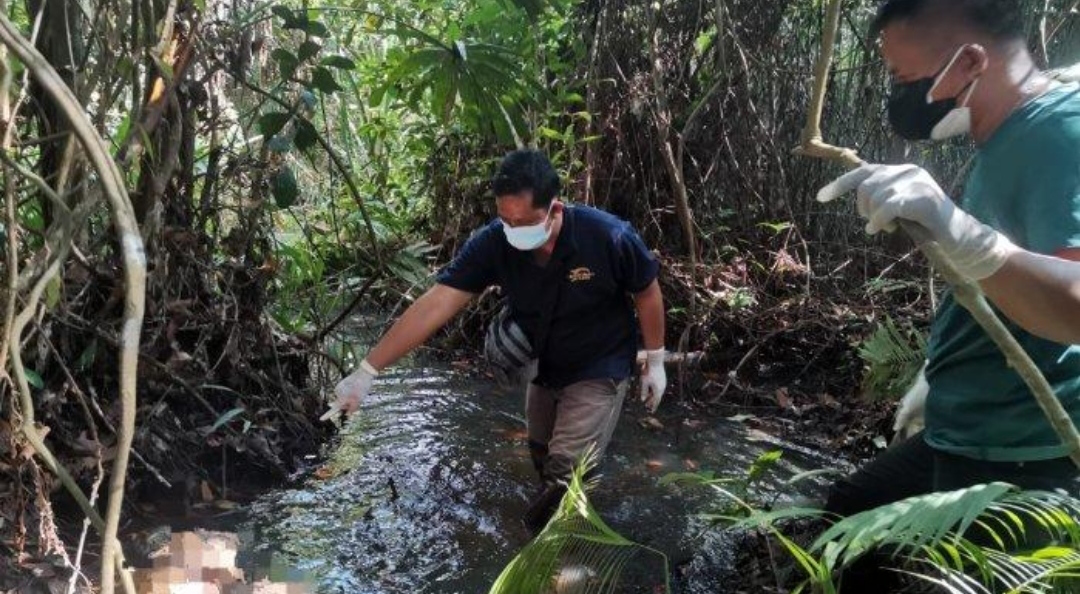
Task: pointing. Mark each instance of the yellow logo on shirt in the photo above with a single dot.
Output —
(580, 275)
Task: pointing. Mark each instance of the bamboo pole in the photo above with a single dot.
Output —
(966, 292)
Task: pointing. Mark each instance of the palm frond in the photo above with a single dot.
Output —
(978, 540)
(893, 357)
(576, 552)
(1044, 571)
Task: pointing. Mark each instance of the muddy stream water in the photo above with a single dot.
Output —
(424, 489)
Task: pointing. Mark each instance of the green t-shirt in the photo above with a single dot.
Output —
(1026, 184)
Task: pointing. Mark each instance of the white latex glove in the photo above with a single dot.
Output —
(653, 379)
(890, 192)
(909, 416)
(351, 390)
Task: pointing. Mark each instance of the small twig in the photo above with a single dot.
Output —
(345, 313)
(77, 564)
(41, 184)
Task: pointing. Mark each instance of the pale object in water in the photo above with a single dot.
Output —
(573, 579)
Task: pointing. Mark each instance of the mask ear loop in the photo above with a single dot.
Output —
(971, 91)
(943, 72)
(548, 218)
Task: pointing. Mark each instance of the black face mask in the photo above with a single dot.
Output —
(910, 115)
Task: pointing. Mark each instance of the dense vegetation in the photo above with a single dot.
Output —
(288, 163)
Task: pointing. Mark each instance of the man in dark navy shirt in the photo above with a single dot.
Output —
(574, 277)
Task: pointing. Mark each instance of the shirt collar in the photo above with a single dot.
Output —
(566, 245)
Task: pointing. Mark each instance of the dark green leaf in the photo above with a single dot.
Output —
(306, 136)
(272, 123)
(338, 62)
(225, 418)
(283, 13)
(279, 144)
(286, 61)
(293, 20)
(284, 187)
(34, 379)
(307, 49)
(316, 29)
(86, 359)
(323, 80)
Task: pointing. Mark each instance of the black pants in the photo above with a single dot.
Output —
(914, 468)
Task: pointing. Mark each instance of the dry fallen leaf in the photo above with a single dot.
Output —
(783, 400)
(651, 423)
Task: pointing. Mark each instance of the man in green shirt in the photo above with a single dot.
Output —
(962, 67)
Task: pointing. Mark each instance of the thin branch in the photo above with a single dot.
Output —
(321, 334)
(56, 200)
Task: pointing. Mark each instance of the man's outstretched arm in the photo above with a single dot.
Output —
(422, 319)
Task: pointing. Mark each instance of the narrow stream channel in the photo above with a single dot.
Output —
(424, 491)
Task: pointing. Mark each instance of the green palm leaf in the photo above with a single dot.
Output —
(892, 358)
(576, 552)
(1027, 542)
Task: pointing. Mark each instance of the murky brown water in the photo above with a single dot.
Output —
(424, 492)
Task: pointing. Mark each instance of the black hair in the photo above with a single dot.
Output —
(527, 169)
(1000, 19)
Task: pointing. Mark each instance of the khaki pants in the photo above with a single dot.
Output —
(563, 424)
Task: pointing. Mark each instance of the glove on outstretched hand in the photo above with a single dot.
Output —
(653, 379)
(352, 390)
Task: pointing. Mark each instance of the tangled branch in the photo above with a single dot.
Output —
(134, 261)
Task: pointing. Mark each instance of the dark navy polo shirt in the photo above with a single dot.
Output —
(598, 261)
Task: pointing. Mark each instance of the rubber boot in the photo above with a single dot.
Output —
(539, 453)
(543, 506)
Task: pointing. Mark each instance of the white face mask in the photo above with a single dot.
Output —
(530, 237)
(958, 120)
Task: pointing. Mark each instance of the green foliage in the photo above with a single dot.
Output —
(576, 552)
(892, 358)
(985, 538)
(736, 490)
(284, 187)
